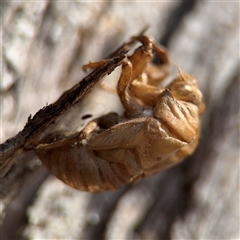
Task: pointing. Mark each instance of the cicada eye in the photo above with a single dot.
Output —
(182, 91)
(186, 91)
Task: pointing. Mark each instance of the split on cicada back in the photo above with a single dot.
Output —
(130, 126)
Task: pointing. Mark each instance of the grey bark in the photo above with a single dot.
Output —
(44, 46)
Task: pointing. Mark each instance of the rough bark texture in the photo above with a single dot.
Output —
(44, 46)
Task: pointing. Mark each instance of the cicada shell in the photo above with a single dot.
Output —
(147, 128)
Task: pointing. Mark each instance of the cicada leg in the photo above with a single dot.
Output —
(94, 65)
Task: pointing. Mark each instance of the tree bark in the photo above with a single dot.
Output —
(44, 46)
